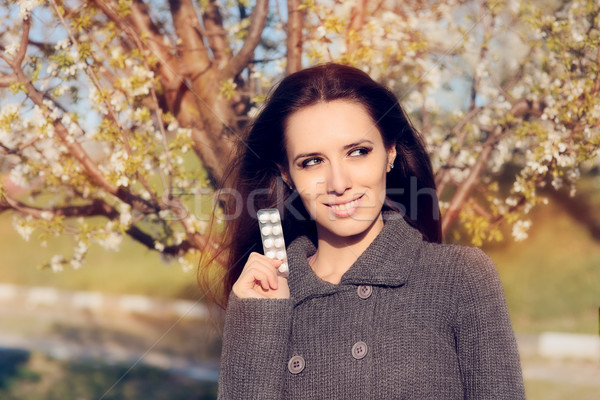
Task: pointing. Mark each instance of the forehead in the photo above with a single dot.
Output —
(330, 125)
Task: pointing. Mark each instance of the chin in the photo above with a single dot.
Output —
(350, 226)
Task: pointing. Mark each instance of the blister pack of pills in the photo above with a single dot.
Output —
(271, 232)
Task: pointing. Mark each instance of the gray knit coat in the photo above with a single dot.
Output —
(408, 320)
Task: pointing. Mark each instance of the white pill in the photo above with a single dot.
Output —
(283, 268)
(276, 230)
(263, 217)
(278, 242)
(270, 254)
(268, 243)
(274, 217)
(280, 255)
(266, 230)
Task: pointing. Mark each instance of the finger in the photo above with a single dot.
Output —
(267, 265)
(254, 256)
(263, 274)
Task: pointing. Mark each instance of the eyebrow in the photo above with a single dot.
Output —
(346, 147)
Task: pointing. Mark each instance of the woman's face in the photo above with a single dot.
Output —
(337, 162)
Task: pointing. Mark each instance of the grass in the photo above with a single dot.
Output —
(37, 377)
(551, 280)
(134, 269)
(544, 390)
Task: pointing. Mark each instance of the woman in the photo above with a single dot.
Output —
(374, 305)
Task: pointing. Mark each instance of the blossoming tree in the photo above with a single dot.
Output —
(117, 117)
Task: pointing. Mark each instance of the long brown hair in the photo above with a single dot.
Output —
(254, 174)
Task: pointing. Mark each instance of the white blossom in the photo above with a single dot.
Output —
(123, 181)
(173, 126)
(19, 175)
(513, 6)
(520, 229)
(320, 32)
(253, 112)
(12, 47)
(80, 250)
(186, 266)
(557, 182)
(118, 101)
(111, 241)
(23, 226)
(57, 263)
(25, 7)
(125, 214)
(195, 225)
(179, 237)
(62, 44)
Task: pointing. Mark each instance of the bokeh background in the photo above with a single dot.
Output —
(117, 119)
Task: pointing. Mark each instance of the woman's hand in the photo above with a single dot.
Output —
(259, 279)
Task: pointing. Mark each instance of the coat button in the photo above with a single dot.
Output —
(296, 364)
(364, 291)
(359, 350)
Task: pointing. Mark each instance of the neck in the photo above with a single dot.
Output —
(336, 254)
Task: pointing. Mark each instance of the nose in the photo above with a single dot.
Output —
(338, 180)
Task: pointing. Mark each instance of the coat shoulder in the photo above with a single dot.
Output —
(459, 264)
(453, 255)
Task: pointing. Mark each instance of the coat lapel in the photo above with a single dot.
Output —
(386, 262)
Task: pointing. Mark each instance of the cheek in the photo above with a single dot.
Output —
(372, 175)
(309, 184)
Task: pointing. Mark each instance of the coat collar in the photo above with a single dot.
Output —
(387, 261)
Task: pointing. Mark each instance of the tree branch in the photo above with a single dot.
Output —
(45, 47)
(465, 188)
(20, 56)
(294, 37)
(442, 177)
(499, 87)
(100, 208)
(138, 24)
(479, 209)
(357, 20)
(193, 51)
(149, 241)
(95, 208)
(92, 74)
(80, 154)
(7, 80)
(522, 109)
(112, 15)
(258, 20)
(483, 50)
(216, 34)
(201, 108)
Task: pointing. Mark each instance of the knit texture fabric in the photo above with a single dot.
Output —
(408, 320)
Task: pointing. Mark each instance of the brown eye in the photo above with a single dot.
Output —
(361, 151)
(310, 162)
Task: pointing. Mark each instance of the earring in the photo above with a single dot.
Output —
(287, 184)
(391, 165)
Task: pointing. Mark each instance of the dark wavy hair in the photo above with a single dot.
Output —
(254, 175)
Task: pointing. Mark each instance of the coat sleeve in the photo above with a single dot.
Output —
(487, 350)
(255, 343)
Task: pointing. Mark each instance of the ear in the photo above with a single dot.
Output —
(391, 157)
(286, 177)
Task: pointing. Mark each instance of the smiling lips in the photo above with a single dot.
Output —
(341, 210)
